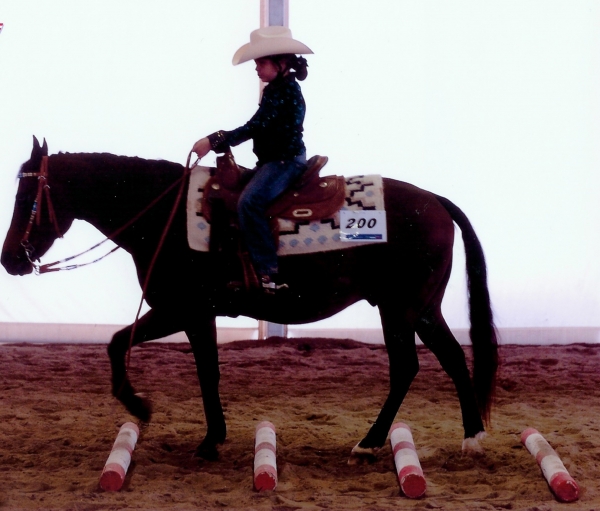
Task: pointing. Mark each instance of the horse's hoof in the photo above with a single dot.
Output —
(472, 446)
(360, 455)
(208, 452)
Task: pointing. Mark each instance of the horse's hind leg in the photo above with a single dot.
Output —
(399, 336)
(153, 325)
(436, 335)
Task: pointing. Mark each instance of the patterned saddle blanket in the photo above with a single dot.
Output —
(295, 236)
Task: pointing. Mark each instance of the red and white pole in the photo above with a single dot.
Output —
(265, 450)
(116, 466)
(561, 483)
(410, 475)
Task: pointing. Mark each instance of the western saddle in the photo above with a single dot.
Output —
(312, 197)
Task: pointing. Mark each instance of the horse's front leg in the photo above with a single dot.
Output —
(203, 340)
(153, 325)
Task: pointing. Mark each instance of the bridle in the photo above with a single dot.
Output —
(36, 214)
(36, 210)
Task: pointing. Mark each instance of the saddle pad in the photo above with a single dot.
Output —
(295, 236)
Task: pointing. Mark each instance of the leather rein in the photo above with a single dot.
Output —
(36, 214)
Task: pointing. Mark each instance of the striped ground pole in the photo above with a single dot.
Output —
(265, 464)
(116, 466)
(561, 483)
(410, 475)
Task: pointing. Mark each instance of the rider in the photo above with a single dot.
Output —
(276, 130)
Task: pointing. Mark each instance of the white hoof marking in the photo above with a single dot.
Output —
(471, 445)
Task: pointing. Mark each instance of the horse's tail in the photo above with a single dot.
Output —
(483, 332)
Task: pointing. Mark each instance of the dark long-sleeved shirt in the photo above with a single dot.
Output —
(276, 127)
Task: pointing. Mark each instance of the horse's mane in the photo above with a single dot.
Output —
(116, 157)
(126, 164)
(152, 175)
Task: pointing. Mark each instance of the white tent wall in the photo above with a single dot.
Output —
(47, 333)
(493, 105)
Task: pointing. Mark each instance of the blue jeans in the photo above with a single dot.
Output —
(266, 183)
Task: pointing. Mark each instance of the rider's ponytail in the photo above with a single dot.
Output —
(295, 63)
(300, 67)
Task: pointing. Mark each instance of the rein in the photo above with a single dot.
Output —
(155, 256)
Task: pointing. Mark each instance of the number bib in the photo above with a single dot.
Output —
(363, 225)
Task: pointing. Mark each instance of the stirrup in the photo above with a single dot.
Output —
(270, 286)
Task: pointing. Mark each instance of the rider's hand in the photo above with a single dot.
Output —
(202, 147)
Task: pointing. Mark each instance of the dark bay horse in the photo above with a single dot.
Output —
(405, 278)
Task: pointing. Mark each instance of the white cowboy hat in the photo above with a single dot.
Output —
(274, 40)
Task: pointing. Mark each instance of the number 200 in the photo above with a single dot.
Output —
(361, 223)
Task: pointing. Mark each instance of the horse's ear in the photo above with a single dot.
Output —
(38, 151)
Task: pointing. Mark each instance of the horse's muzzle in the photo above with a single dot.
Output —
(15, 264)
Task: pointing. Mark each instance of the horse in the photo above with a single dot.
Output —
(405, 278)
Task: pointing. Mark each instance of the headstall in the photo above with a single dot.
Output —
(36, 210)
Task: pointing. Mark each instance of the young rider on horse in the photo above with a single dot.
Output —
(276, 130)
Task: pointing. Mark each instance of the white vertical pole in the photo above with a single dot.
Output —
(273, 13)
